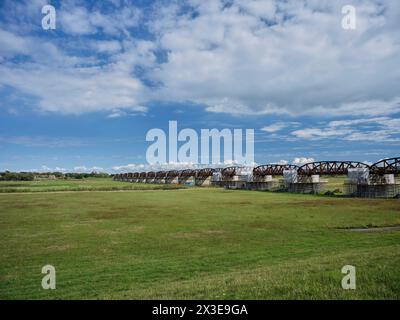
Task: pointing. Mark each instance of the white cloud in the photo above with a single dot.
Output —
(77, 169)
(319, 133)
(278, 126)
(242, 57)
(78, 20)
(174, 166)
(41, 141)
(117, 114)
(45, 168)
(274, 127)
(107, 46)
(11, 44)
(302, 160)
(299, 61)
(64, 85)
(381, 129)
(84, 169)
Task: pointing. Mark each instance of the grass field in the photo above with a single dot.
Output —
(89, 184)
(204, 243)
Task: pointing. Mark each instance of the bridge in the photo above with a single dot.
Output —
(386, 166)
(229, 172)
(272, 169)
(329, 167)
(205, 173)
(295, 178)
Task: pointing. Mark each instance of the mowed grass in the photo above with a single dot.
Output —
(89, 184)
(203, 243)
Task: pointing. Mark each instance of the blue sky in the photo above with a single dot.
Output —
(83, 96)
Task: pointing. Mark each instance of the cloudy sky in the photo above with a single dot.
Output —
(83, 96)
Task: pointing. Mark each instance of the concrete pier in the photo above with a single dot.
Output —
(306, 187)
(372, 185)
(207, 181)
(190, 181)
(271, 185)
(171, 180)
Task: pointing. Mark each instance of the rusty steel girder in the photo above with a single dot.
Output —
(187, 173)
(229, 172)
(130, 175)
(151, 175)
(135, 175)
(143, 175)
(205, 173)
(386, 166)
(329, 167)
(172, 174)
(272, 169)
(161, 174)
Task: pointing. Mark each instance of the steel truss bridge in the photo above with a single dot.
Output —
(329, 167)
(385, 166)
(272, 169)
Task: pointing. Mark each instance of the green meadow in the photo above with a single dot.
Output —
(89, 184)
(193, 243)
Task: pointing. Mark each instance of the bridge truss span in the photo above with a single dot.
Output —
(272, 169)
(329, 167)
(205, 173)
(386, 166)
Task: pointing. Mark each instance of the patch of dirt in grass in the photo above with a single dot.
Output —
(197, 234)
(6, 277)
(59, 248)
(111, 214)
(121, 230)
(372, 229)
(232, 203)
(27, 205)
(341, 202)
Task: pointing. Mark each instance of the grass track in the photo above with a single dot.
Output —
(201, 243)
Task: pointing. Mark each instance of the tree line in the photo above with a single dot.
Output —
(30, 176)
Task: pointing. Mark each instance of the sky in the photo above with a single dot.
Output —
(83, 96)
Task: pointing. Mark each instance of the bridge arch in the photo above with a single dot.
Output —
(150, 174)
(229, 172)
(205, 173)
(272, 169)
(161, 174)
(172, 174)
(386, 166)
(187, 173)
(329, 167)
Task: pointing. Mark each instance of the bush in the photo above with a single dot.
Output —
(17, 176)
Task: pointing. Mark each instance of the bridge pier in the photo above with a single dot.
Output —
(235, 177)
(363, 184)
(293, 182)
(263, 183)
(203, 181)
(235, 184)
(191, 181)
(171, 180)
